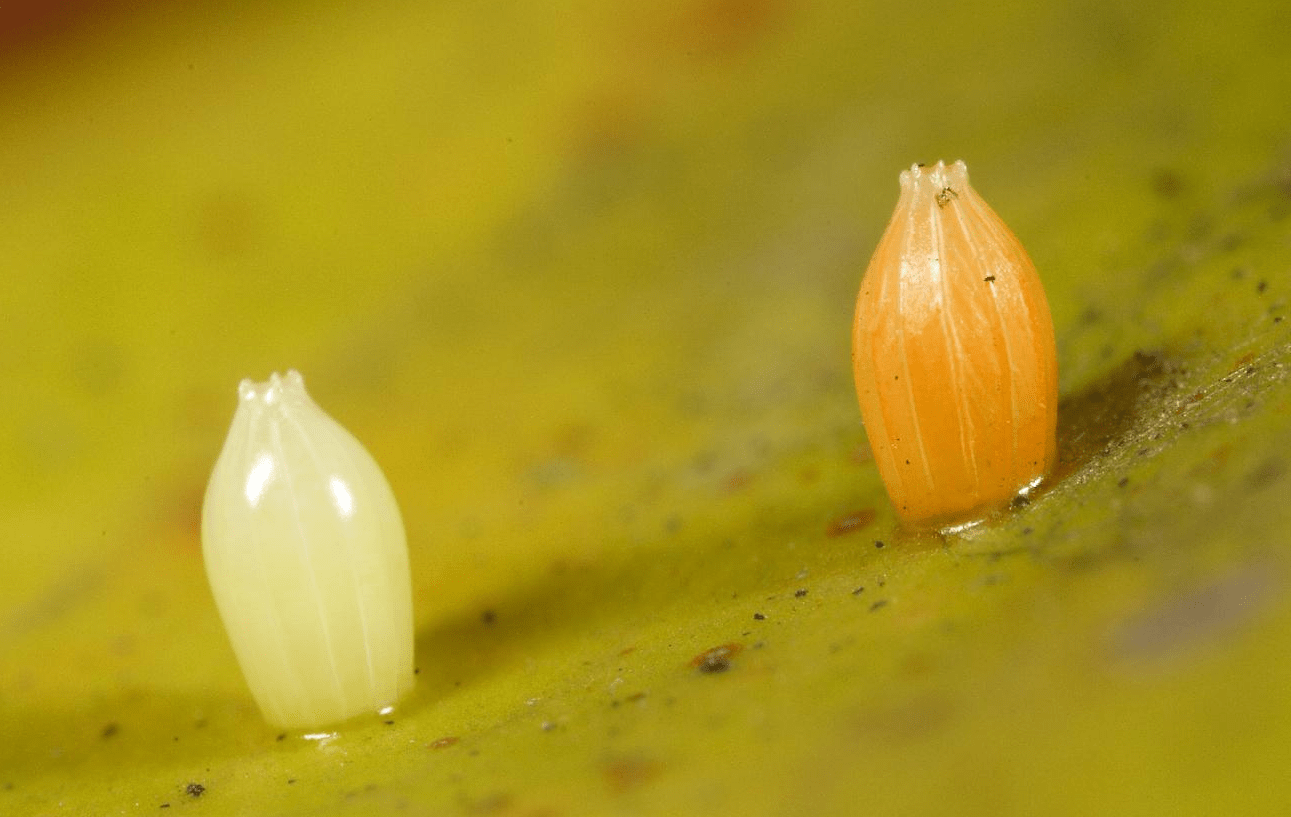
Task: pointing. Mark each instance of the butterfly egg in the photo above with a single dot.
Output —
(953, 353)
(306, 556)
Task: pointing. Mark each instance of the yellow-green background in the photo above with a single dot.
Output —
(580, 275)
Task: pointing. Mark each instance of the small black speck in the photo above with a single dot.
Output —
(1261, 286)
(164, 805)
(416, 670)
(1020, 501)
(388, 723)
(1142, 451)
(907, 462)
(799, 593)
(291, 781)
(1184, 425)
(110, 729)
(1250, 370)
(1026, 531)
(878, 605)
(759, 617)
(488, 617)
(195, 789)
(858, 591)
(1122, 482)
(990, 279)
(878, 543)
(281, 737)
(881, 582)
(1277, 319)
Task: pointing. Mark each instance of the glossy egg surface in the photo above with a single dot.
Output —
(306, 556)
(953, 354)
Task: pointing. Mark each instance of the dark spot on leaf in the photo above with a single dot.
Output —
(1167, 184)
(626, 773)
(195, 789)
(759, 617)
(1266, 473)
(110, 729)
(1203, 614)
(850, 523)
(717, 659)
(799, 593)
(878, 605)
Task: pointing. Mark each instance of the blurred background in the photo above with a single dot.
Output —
(581, 277)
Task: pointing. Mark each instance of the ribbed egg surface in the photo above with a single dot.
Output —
(954, 356)
(306, 555)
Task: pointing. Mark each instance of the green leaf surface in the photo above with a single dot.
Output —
(581, 278)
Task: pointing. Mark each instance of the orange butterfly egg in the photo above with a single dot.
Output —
(953, 353)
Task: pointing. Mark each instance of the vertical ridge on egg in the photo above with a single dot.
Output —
(307, 559)
(953, 354)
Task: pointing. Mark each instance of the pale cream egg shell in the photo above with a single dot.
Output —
(307, 558)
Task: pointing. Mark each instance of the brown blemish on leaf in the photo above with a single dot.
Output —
(624, 774)
(227, 225)
(717, 659)
(737, 482)
(850, 523)
(912, 720)
(713, 29)
(605, 124)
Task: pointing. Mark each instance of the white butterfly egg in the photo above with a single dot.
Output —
(306, 555)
